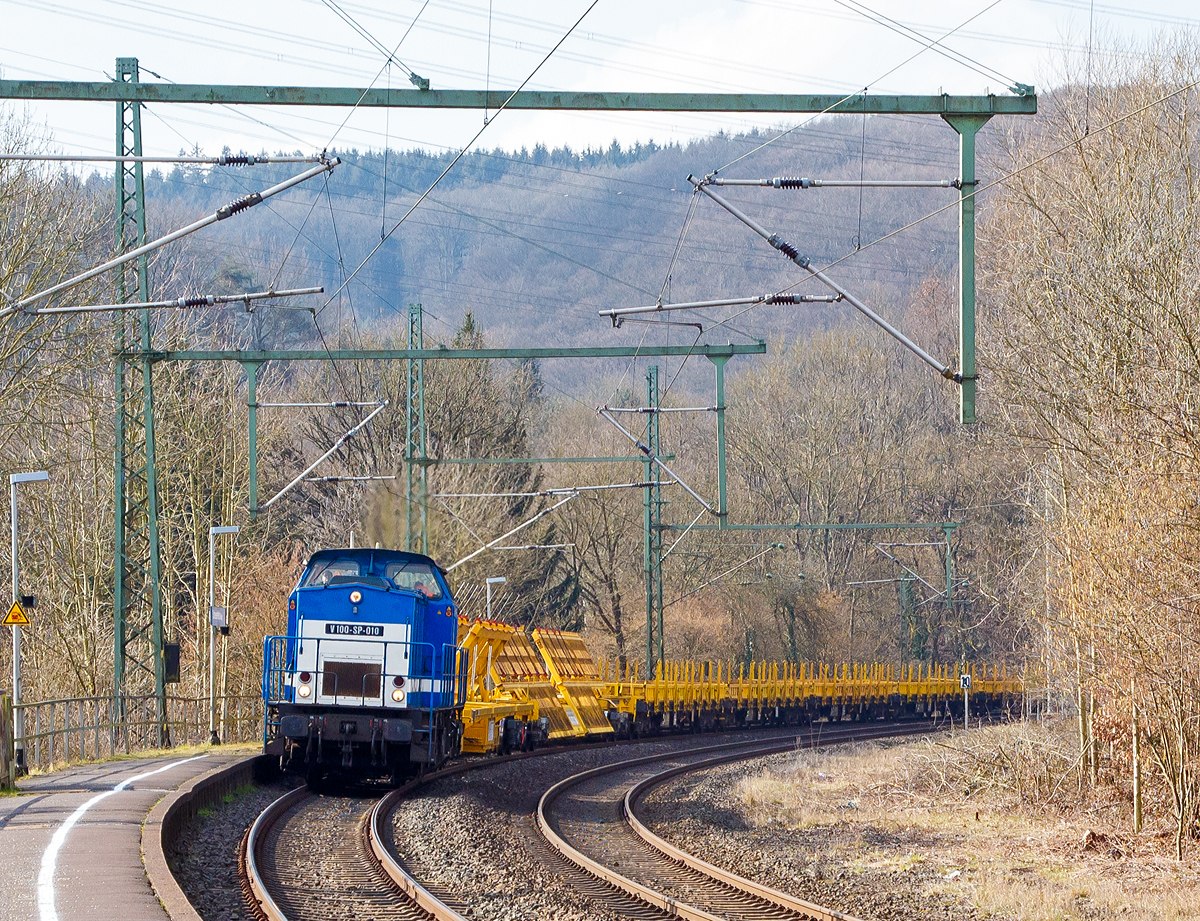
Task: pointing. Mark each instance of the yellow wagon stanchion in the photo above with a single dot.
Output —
(576, 678)
(490, 701)
(551, 674)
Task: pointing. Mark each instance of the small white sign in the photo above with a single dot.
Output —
(218, 617)
(965, 682)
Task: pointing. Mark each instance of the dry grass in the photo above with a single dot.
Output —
(179, 751)
(995, 812)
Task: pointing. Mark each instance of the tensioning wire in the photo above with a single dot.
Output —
(463, 152)
(389, 57)
(849, 96)
(1076, 142)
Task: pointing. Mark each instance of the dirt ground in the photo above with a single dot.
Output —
(986, 824)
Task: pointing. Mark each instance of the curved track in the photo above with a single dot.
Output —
(589, 818)
(317, 858)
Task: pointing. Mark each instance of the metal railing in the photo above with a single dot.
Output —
(429, 685)
(8, 767)
(58, 732)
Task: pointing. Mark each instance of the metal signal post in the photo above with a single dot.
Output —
(36, 476)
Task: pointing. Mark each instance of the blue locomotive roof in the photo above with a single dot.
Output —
(371, 558)
(375, 568)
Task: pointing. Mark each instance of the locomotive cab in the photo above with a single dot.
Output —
(368, 680)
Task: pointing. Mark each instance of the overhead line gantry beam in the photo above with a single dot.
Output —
(351, 97)
(631, 351)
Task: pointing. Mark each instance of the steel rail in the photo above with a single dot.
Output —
(375, 829)
(668, 904)
(264, 904)
(390, 867)
(380, 863)
(266, 908)
(721, 875)
(617, 880)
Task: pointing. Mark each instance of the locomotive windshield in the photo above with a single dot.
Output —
(322, 573)
(415, 577)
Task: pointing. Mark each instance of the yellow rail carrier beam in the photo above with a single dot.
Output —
(523, 671)
(485, 644)
(707, 694)
(576, 678)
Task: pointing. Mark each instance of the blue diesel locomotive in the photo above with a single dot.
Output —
(369, 681)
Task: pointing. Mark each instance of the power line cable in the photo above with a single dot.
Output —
(910, 33)
(879, 79)
(341, 265)
(387, 119)
(487, 78)
(371, 39)
(1075, 143)
(389, 57)
(462, 152)
(862, 167)
(236, 110)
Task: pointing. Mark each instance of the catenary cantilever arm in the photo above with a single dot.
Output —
(805, 263)
(522, 526)
(221, 214)
(313, 466)
(603, 412)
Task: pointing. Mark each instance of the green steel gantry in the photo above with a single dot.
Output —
(137, 610)
(139, 669)
(652, 531)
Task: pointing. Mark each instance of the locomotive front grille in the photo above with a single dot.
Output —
(350, 679)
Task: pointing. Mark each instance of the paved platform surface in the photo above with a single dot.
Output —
(70, 847)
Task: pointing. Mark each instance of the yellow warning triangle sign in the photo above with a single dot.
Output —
(15, 616)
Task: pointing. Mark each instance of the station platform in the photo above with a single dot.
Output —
(70, 841)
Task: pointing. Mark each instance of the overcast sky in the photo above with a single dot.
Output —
(752, 45)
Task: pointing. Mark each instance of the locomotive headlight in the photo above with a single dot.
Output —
(398, 696)
(304, 690)
(355, 596)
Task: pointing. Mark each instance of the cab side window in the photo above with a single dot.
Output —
(323, 572)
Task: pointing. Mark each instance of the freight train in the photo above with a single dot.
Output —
(379, 677)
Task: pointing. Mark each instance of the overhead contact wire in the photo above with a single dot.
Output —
(1002, 180)
(463, 152)
(850, 96)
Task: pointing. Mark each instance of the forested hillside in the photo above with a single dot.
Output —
(535, 242)
(522, 248)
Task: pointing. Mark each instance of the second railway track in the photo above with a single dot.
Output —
(590, 818)
(327, 858)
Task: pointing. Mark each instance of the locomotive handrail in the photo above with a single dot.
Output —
(279, 665)
(446, 687)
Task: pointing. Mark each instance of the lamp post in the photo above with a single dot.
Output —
(212, 629)
(492, 580)
(36, 476)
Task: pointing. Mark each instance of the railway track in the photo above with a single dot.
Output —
(590, 818)
(318, 858)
